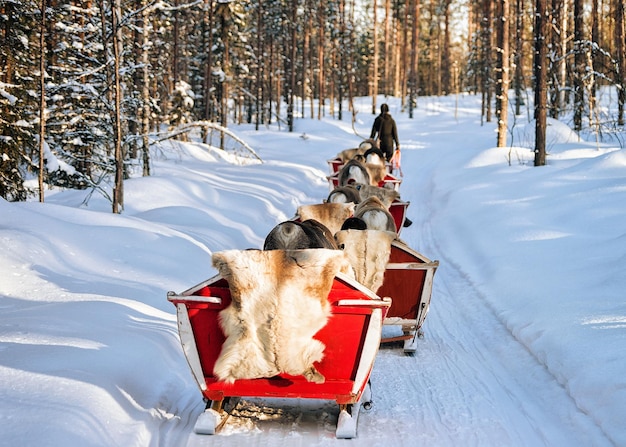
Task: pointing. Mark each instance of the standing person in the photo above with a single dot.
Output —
(386, 132)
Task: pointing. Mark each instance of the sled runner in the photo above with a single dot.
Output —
(408, 281)
(351, 338)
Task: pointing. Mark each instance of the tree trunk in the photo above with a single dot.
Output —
(136, 78)
(105, 44)
(42, 98)
(486, 60)
(398, 49)
(145, 89)
(388, 53)
(518, 57)
(270, 81)
(556, 40)
(118, 191)
(503, 72)
(208, 70)
(404, 57)
(620, 50)
(563, 28)
(309, 67)
(259, 65)
(342, 57)
(446, 64)
(375, 61)
(292, 82)
(321, 41)
(590, 53)
(413, 78)
(350, 74)
(433, 53)
(225, 29)
(541, 79)
(176, 45)
(579, 65)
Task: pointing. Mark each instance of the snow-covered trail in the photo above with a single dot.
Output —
(470, 381)
(481, 386)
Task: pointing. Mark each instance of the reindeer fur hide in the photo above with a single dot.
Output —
(294, 235)
(368, 252)
(279, 302)
(370, 143)
(344, 194)
(386, 195)
(376, 215)
(354, 171)
(374, 156)
(376, 172)
(348, 154)
(331, 215)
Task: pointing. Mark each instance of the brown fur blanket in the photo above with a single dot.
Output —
(376, 173)
(368, 252)
(279, 302)
(386, 195)
(348, 154)
(331, 215)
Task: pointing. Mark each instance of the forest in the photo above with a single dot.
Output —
(87, 86)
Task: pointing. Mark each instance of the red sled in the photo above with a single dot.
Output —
(397, 209)
(351, 336)
(335, 164)
(408, 281)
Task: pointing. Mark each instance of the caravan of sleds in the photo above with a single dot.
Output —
(304, 316)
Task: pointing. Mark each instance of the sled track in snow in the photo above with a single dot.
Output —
(482, 385)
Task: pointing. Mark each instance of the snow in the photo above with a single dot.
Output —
(524, 341)
(6, 95)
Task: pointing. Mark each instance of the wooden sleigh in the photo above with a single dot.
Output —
(351, 337)
(408, 281)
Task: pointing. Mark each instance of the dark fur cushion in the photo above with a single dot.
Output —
(294, 235)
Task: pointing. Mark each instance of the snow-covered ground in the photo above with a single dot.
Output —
(524, 342)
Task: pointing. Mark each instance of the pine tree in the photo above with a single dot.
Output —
(19, 22)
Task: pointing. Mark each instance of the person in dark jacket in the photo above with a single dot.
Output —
(385, 129)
